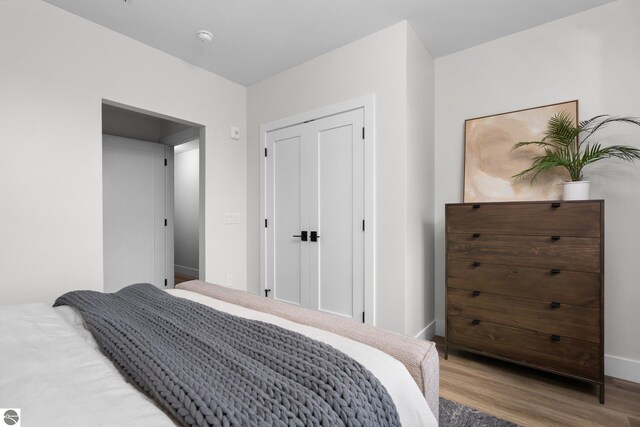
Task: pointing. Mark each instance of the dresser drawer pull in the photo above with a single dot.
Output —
(475, 293)
(555, 337)
(476, 235)
(555, 271)
(555, 205)
(475, 264)
(476, 206)
(475, 322)
(555, 237)
(555, 305)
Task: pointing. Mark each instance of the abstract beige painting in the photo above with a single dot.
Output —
(490, 164)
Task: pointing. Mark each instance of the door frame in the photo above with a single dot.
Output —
(169, 141)
(367, 103)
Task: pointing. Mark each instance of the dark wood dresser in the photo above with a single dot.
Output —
(525, 283)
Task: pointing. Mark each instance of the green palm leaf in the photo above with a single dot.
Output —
(541, 143)
(565, 146)
(560, 129)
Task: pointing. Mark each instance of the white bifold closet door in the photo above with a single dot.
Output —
(315, 214)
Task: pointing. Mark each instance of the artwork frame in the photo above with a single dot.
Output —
(489, 162)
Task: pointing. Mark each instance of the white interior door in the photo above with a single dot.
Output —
(315, 187)
(288, 207)
(134, 200)
(337, 214)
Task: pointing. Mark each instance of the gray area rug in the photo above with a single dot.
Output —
(454, 414)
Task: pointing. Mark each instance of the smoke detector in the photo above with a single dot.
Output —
(205, 36)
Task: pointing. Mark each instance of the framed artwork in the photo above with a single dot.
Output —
(489, 163)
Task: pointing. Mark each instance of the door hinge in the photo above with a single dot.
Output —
(165, 222)
(165, 283)
(265, 152)
(265, 223)
(363, 132)
(363, 225)
(363, 317)
(165, 162)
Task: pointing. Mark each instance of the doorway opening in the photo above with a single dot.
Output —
(153, 198)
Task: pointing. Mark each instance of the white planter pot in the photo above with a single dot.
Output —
(576, 190)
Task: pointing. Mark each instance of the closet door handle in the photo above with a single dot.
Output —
(302, 236)
(314, 236)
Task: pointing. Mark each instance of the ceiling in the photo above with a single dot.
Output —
(131, 124)
(255, 39)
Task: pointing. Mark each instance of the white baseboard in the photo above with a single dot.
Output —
(623, 368)
(181, 269)
(428, 332)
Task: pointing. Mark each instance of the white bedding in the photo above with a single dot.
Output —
(55, 373)
(56, 378)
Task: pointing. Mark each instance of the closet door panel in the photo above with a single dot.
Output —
(336, 209)
(288, 256)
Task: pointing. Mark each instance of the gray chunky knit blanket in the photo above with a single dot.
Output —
(209, 368)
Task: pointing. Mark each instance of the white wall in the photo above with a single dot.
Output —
(419, 176)
(118, 122)
(186, 176)
(52, 82)
(592, 56)
(376, 64)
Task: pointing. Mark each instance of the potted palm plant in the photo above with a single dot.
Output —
(573, 147)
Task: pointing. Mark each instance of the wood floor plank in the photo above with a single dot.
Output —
(533, 398)
(537, 409)
(179, 278)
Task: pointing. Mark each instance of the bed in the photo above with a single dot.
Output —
(51, 366)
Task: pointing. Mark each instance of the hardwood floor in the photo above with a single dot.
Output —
(179, 278)
(532, 398)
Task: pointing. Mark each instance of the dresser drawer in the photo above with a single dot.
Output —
(564, 253)
(568, 219)
(566, 355)
(569, 287)
(581, 323)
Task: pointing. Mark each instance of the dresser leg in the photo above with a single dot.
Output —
(602, 393)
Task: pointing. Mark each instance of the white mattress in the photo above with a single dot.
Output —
(51, 368)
